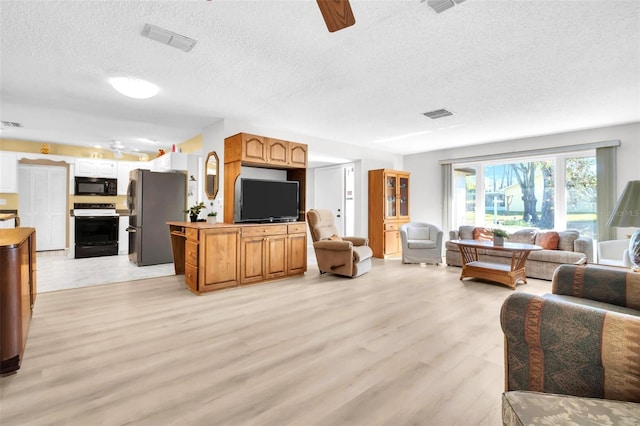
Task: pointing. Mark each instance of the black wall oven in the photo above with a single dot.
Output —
(96, 230)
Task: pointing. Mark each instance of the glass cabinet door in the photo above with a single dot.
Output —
(390, 196)
(403, 196)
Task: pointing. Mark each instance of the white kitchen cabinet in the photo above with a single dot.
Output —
(124, 168)
(8, 172)
(92, 167)
(171, 161)
(123, 235)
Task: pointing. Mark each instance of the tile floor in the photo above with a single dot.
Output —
(57, 271)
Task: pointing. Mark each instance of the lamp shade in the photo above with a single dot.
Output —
(627, 210)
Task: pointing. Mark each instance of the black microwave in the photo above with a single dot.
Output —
(96, 186)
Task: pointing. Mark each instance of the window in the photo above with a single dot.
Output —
(544, 192)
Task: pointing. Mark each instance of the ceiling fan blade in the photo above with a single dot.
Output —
(337, 14)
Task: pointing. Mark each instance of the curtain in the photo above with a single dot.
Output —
(447, 197)
(606, 191)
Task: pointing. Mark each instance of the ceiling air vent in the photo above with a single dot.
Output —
(440, 6)
(167, 37)
(11, 124)
(439, 113)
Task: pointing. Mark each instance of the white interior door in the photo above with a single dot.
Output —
(42, 204)
(330, 193)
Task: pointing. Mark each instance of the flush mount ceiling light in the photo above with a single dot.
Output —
(134, 87)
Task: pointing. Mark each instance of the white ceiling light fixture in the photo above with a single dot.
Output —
(168, 37)
(134, 87)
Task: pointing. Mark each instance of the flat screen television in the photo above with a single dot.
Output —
(265, 201)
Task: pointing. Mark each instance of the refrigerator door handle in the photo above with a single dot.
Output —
(131, 229)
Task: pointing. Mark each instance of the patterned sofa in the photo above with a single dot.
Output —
(565, 247)
(572, 355)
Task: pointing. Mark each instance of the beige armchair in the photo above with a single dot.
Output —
(348, 256)
(421, 243)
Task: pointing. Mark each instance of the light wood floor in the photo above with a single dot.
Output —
(401, 345)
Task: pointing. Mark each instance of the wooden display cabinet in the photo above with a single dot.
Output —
(388, 209)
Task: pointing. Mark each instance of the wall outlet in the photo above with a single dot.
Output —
(3, 202)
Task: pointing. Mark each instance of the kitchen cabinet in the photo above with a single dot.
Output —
(388, 209)
(18, 290)
(123, 235)
(8, 172)
(92, 167)
(171, 161)
(124, 168)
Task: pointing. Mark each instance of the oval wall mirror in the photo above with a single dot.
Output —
(211, 167)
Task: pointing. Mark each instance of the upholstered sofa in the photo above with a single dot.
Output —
(565, 247)
(572, 356)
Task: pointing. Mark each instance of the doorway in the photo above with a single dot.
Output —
(335, 191)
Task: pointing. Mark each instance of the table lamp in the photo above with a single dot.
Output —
(627, 213)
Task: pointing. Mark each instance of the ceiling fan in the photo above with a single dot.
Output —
(118, 149)
(337, 14)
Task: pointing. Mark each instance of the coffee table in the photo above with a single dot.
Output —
(508, 274)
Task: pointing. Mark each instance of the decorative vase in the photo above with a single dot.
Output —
(194, 217)
(498, 241)
(212, 219)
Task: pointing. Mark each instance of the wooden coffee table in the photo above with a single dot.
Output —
(507, 274)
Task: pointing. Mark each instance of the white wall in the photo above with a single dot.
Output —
(426, 185)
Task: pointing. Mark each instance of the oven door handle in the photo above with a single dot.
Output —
(131, 229)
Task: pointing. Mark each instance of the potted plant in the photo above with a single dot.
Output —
(212, 217)
(194, 211)
(498, 236)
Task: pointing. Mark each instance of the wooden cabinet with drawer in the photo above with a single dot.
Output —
(216, 256)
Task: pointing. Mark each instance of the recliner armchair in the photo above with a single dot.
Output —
(347, 256)
(421, 243)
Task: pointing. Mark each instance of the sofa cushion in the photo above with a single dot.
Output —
(418, 233)
(466, 232)
(421, 244)
(534, 408)
(482, 234)
(547, 240)
(558, 256)
(523, 236)
(567, 238)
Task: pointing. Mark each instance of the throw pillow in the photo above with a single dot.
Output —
(548, 240)
(567, 238)
(334, 237)
(523, 236)
(482, 234)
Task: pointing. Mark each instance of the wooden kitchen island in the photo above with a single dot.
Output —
(217, 256)
(17, 293)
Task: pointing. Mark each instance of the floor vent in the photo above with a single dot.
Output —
(439, 113)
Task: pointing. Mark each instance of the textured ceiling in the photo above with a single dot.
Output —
(506, 69)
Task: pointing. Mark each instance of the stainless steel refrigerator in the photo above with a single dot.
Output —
(153, 199)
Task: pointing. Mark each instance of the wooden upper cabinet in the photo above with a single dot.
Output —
(277, 152)
(298, 154)
(263, 151)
